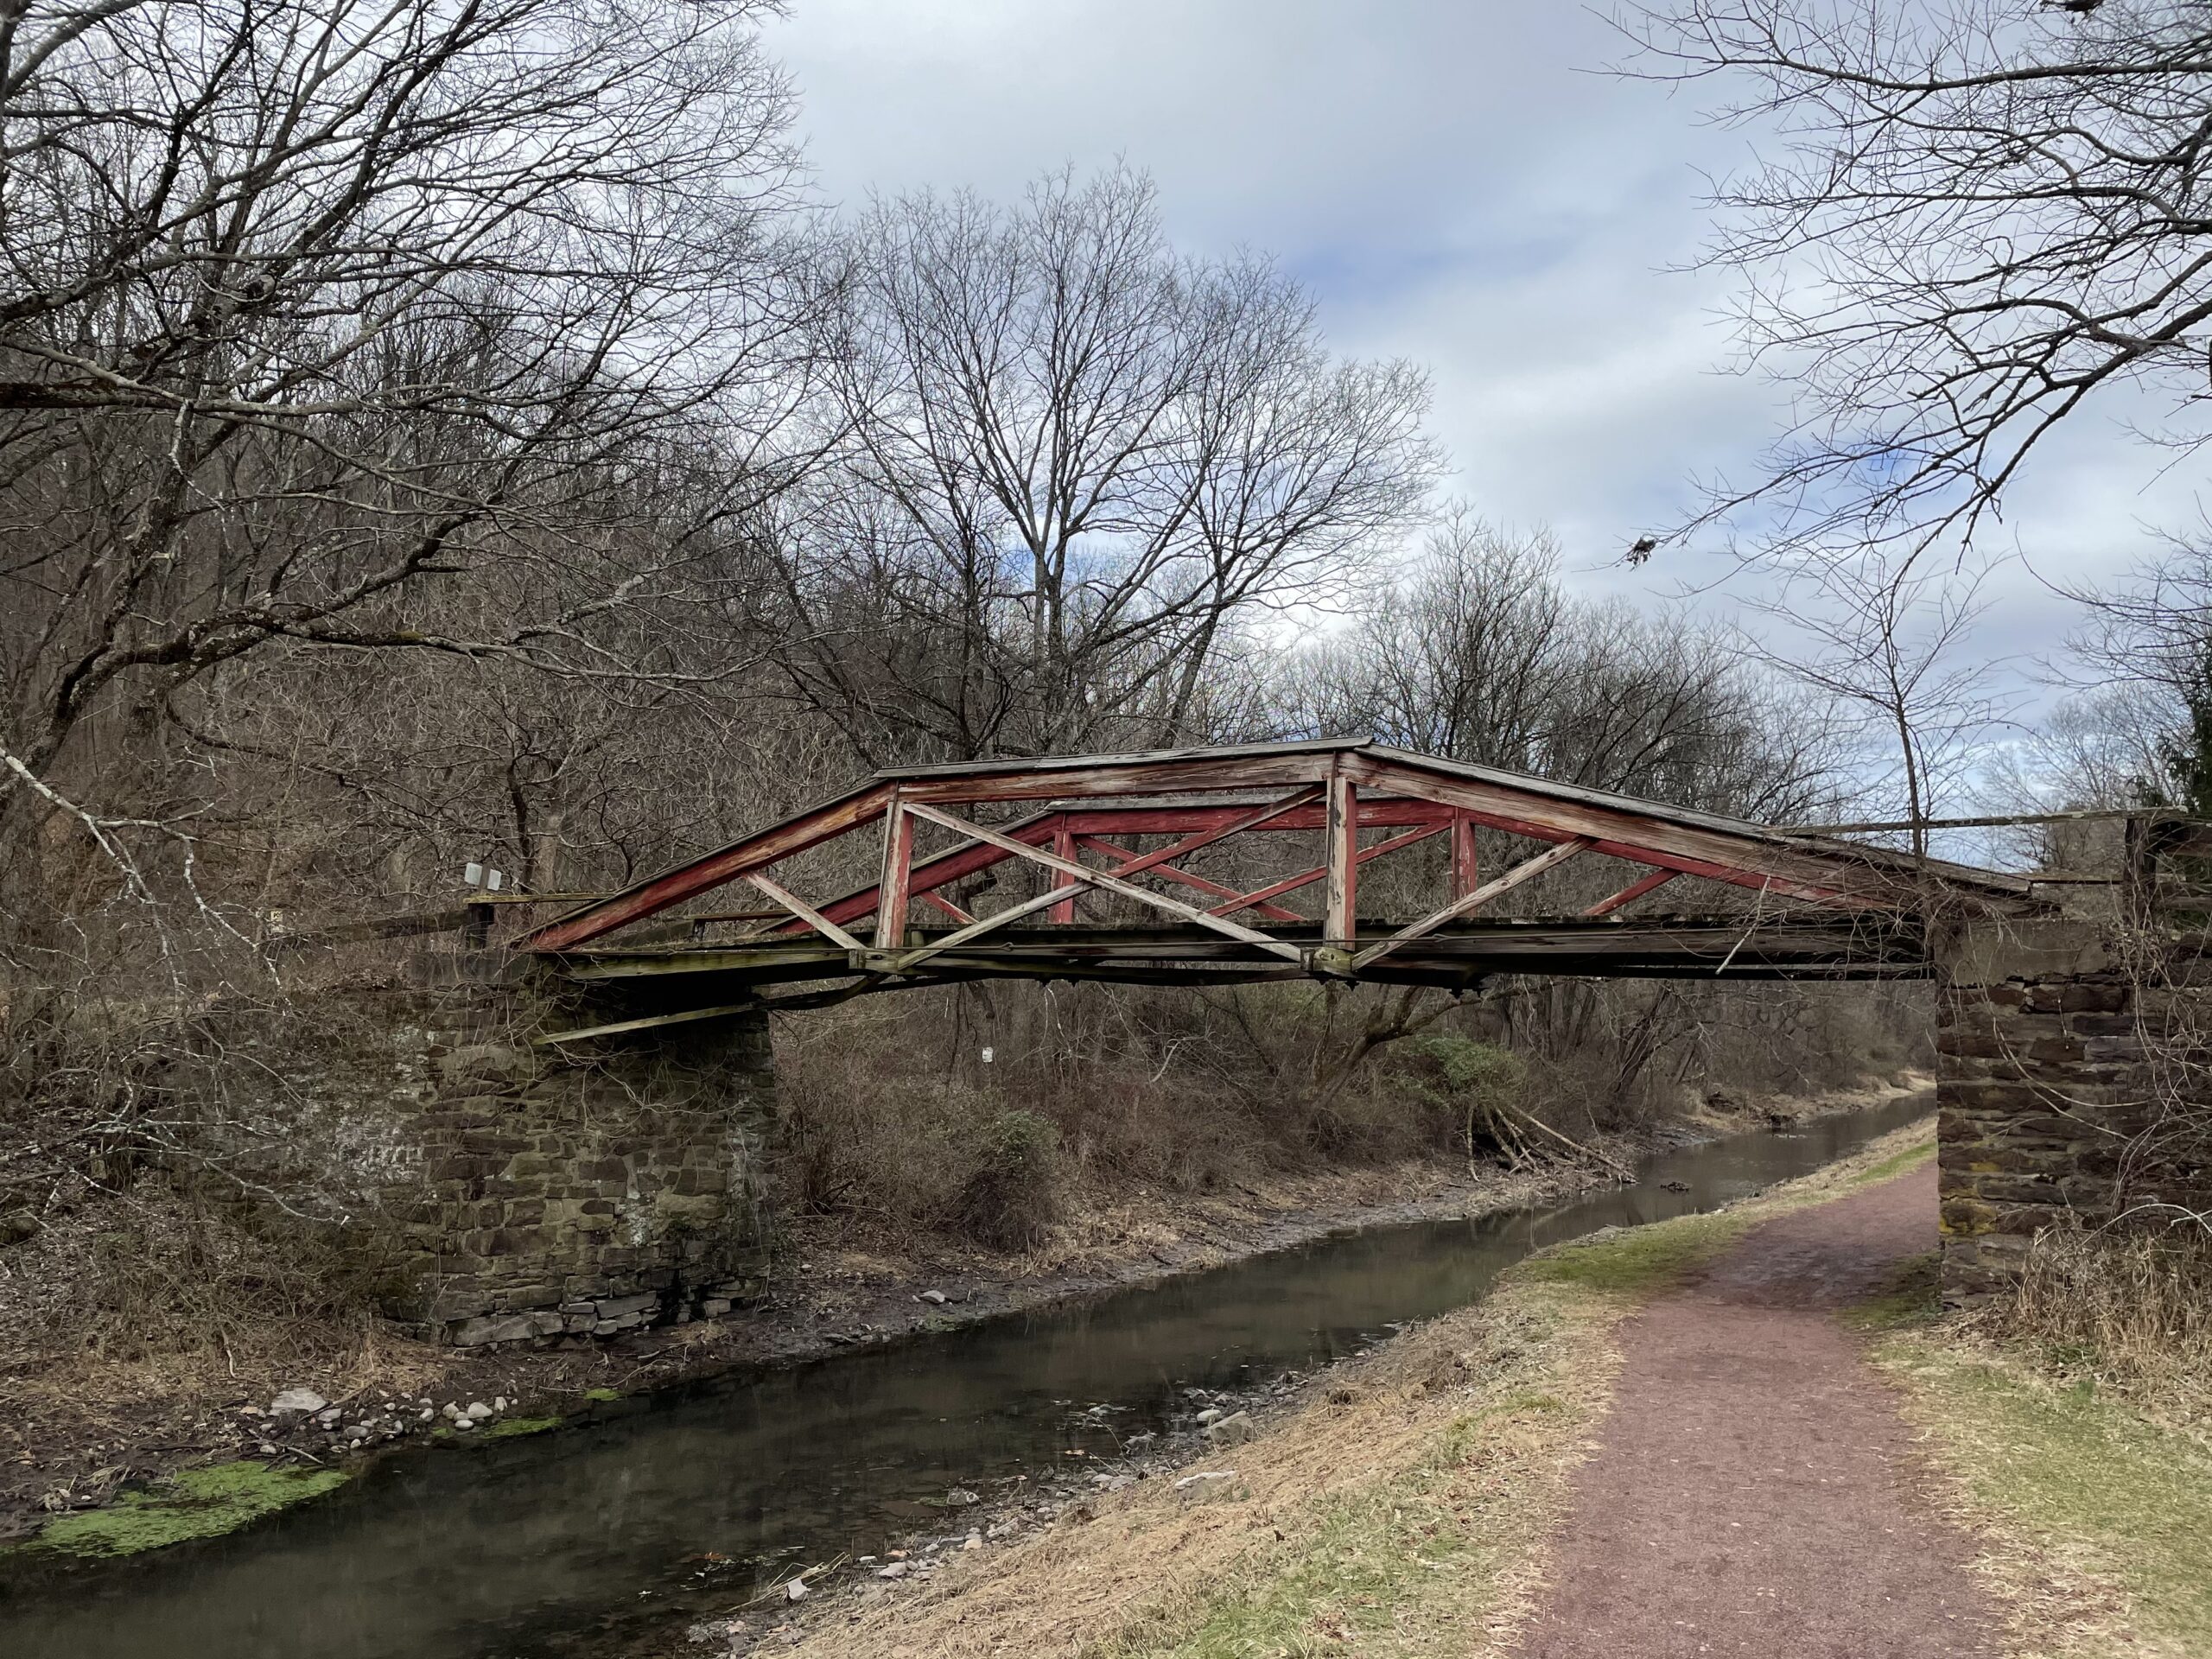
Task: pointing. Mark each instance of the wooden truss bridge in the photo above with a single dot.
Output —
(1263, 861)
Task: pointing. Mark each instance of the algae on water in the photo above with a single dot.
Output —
(508, 1428)
(197, 1504)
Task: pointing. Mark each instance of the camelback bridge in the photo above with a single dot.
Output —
(1339, 861)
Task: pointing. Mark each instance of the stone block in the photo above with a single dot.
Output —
(506, 1327)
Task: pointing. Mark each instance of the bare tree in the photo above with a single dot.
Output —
(1986, 216)
(319, 310)
(1877, 637)
(1078, 463)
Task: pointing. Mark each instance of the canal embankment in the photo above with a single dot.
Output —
(93, 1436)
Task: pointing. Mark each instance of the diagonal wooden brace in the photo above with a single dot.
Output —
(1307, 878)
(1634, 889)
(1526, 870)
(1099, 843)
(1080, 876)
(806, 912)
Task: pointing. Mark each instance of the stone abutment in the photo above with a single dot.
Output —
(2054, 1077)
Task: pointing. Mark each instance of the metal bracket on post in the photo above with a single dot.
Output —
(1330, 961)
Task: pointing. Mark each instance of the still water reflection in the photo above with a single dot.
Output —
(547, 1546)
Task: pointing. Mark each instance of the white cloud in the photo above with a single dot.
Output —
(1458, 183)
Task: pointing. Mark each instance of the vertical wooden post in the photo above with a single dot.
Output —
(898, 871)
(1339, 925)
(1063, 847)
(1466, 877)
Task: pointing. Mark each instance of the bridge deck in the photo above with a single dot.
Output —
(1456, 955)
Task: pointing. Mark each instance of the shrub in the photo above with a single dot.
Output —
(1474, 1084)
(2129, 1308)
(1009, 1199)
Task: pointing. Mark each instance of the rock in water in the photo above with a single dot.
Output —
(297, 1403)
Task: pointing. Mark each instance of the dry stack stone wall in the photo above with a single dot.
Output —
(535, 1191)
(2042, 1089)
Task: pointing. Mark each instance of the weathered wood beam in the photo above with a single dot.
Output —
(892, 885)
(1634, 889)
(1307, 878)
(1063, 847)
(940, 869)
(649, 897)
(1528, 869)
(1219, 890)
(806, 912)
(1340, 905)
(1465, 867)
(648, 1022)
(1744, 861)
(939, 901)
(1082, 876)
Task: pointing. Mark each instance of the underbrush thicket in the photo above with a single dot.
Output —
(979, 1113)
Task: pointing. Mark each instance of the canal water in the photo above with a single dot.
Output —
(669, 1506)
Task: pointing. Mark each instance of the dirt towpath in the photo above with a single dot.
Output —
(1754, 1492)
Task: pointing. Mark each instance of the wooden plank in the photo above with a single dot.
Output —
(1376, 813)
(1340, 905)
(1752, 860)
(1205, 770)
(1085, 876)
(1307, 878)
(1634, 889)
(1297, 748)
(1526, 870)
(893, 884)
(940, 902)
(1250, 817)
(1219, 890)
(940, 869)
(1063, 847)
(649, 897)
(1698, 843)
(1465, 867)
(805, 911)
(651, 1022)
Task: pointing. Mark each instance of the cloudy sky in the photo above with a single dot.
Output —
(1458, 182)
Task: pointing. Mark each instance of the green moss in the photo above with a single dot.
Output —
(1635, 1261)
(198, 1503)
(508, 1428)
(2076, 1472)
(602, 1394)
(1895, 1163)
(1912, 1296)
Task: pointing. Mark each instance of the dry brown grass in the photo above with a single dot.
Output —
(1407, 1520)
(2131, 1310)
(1451, 1449)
